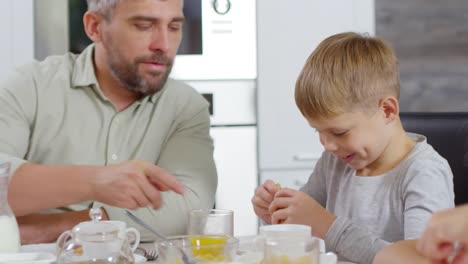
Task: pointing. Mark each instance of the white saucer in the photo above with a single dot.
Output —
(27, 258)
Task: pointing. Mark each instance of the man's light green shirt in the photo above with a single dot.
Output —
(53, 112)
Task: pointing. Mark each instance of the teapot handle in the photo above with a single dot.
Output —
(62, 240)
(136, 235)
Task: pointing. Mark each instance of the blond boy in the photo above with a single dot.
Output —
(374, 184)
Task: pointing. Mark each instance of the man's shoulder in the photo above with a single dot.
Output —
(177, 86)
(52, 64)
(182, 92)
(36, 77)
(39, 72)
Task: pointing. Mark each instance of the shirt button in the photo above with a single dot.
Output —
(114, 157)
(117, 121)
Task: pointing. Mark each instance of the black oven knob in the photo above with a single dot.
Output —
(221, 7)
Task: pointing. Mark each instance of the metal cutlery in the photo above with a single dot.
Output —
(142, 223)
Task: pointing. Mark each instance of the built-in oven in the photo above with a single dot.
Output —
(217, 57)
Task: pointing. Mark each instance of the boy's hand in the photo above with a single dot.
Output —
(262, 199)
(296, 207)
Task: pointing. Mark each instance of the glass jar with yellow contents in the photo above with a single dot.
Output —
(201, 249)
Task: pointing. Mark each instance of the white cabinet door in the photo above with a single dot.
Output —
(236, 161)
(6, 28)
(17, 34)
(288, 31)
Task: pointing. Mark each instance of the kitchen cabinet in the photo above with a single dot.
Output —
(234, 133)
(236, 163)
(288, 32)
(17, 34)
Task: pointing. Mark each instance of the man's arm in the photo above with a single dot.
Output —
(34, 187)
(132, 184)
(45, 228)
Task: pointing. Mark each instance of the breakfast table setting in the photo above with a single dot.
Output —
(209, 239)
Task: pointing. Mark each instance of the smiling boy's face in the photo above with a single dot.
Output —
(356, 138)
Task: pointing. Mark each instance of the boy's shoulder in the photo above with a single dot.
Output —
(424, 161)
(426, 173)
(423, 152)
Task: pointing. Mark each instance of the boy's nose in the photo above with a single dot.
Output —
(328, 143)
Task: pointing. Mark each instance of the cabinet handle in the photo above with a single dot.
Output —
(306, 157)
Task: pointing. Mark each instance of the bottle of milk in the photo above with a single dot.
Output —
(9, 232)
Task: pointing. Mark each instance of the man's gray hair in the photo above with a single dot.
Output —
(104, 8)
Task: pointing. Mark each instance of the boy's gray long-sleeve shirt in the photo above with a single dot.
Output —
(373, 212)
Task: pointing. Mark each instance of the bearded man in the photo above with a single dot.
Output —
(108, 125)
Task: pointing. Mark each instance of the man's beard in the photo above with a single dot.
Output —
(128, 74)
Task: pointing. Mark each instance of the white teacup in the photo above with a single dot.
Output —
(132, 234)
(284, 230)
(296, 249)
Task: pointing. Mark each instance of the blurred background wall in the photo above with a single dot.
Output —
(431, 41)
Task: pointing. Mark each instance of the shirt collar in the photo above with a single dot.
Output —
(83, 72)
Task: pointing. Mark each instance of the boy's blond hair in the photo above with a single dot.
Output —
(347, 72)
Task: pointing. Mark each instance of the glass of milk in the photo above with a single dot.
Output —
(9, 232)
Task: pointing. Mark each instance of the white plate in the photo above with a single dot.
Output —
(51, 248)
(27, 258)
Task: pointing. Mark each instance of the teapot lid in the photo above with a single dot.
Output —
(95, 228)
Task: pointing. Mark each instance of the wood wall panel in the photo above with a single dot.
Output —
(431, 40)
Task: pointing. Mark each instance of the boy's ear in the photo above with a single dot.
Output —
(390, 108)
(92, 26)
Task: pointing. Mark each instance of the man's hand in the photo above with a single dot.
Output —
(262, 199)
(296, 207)
(133, 184)
(45, 228)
